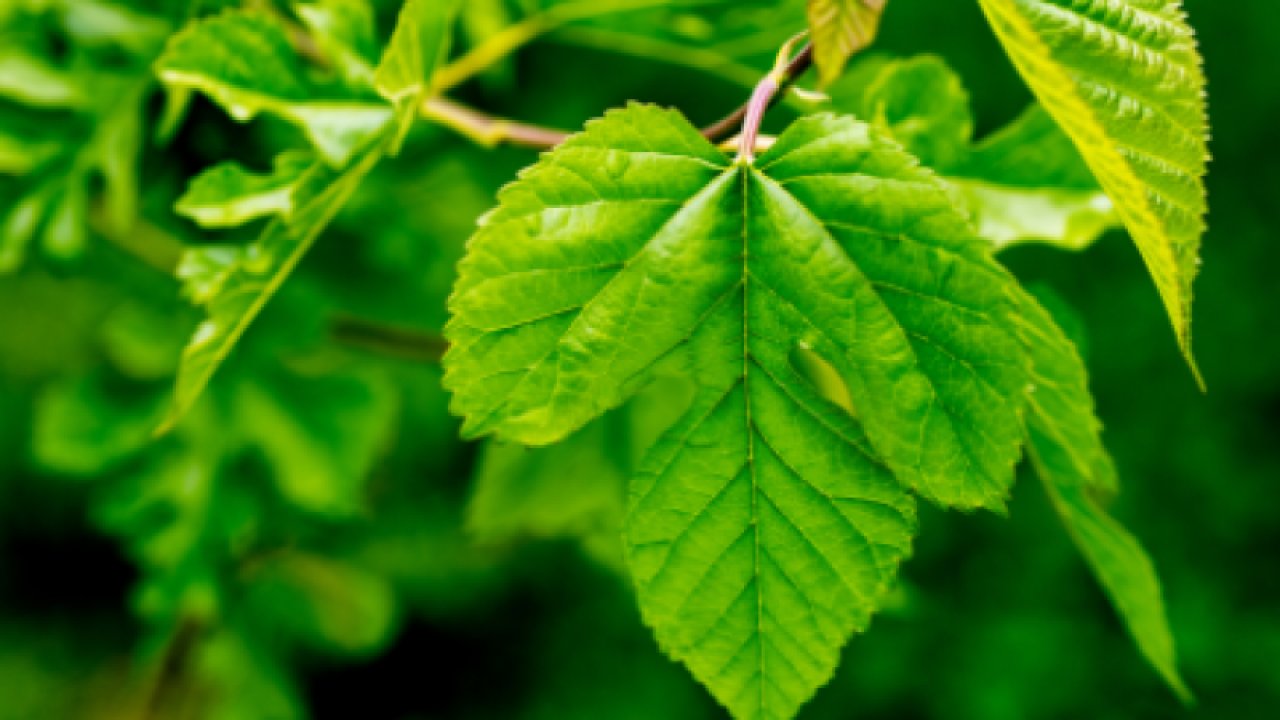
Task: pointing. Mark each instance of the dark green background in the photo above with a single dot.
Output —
(1000, 620)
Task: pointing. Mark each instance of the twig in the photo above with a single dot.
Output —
(489, 131)
(399, 342)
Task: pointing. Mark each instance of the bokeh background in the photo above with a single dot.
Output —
(208, 575)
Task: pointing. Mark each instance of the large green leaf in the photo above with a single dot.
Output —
(763, 528)
(1123, 78)
(1065, 445)
(245, 62)
(841, 28)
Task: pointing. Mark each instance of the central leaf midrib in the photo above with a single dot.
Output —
(745, 178)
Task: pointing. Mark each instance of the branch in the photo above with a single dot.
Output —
(398, 342)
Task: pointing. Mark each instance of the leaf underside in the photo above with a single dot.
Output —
(767, 523)
(1123, 78)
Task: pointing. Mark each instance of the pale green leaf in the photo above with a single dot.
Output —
(840, 29)
(763, 527)
(1028, 183)
(1065, 446)
(227, 195)
(245, 63)
(1123, 79)
(32, 81)
(235, 284)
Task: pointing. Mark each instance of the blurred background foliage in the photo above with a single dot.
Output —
(313, 541)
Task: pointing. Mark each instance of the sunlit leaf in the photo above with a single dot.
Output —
(638, 244)
(1123, 78)
(418, 46)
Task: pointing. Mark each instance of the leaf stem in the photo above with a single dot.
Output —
(787, 70)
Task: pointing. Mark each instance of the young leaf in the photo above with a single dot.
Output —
(234, 286)
(763, 529)
(1123, 79)
(418, 45)
(245, 63)
(616, 249)
(1065, 446)
(840, 29)
(344, 33)
(229, 196)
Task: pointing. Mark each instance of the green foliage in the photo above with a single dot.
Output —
(726, 381)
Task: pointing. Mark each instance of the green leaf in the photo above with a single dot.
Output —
(235, 284)
(344, 31)
(1065, 446)
(571, 489)
(1025, 183)
(1124, 80)
(418, 46)
(329, 604)
(637, 248)
(569, 293)
(1028, 183)
(244, 62)
(32, 81)
(840, 29)
(919, 100)
(1061, 421)
(83, 430)
(321, 435)
(228, 196)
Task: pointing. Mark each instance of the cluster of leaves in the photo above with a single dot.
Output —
(850, 339)
(737, 377)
